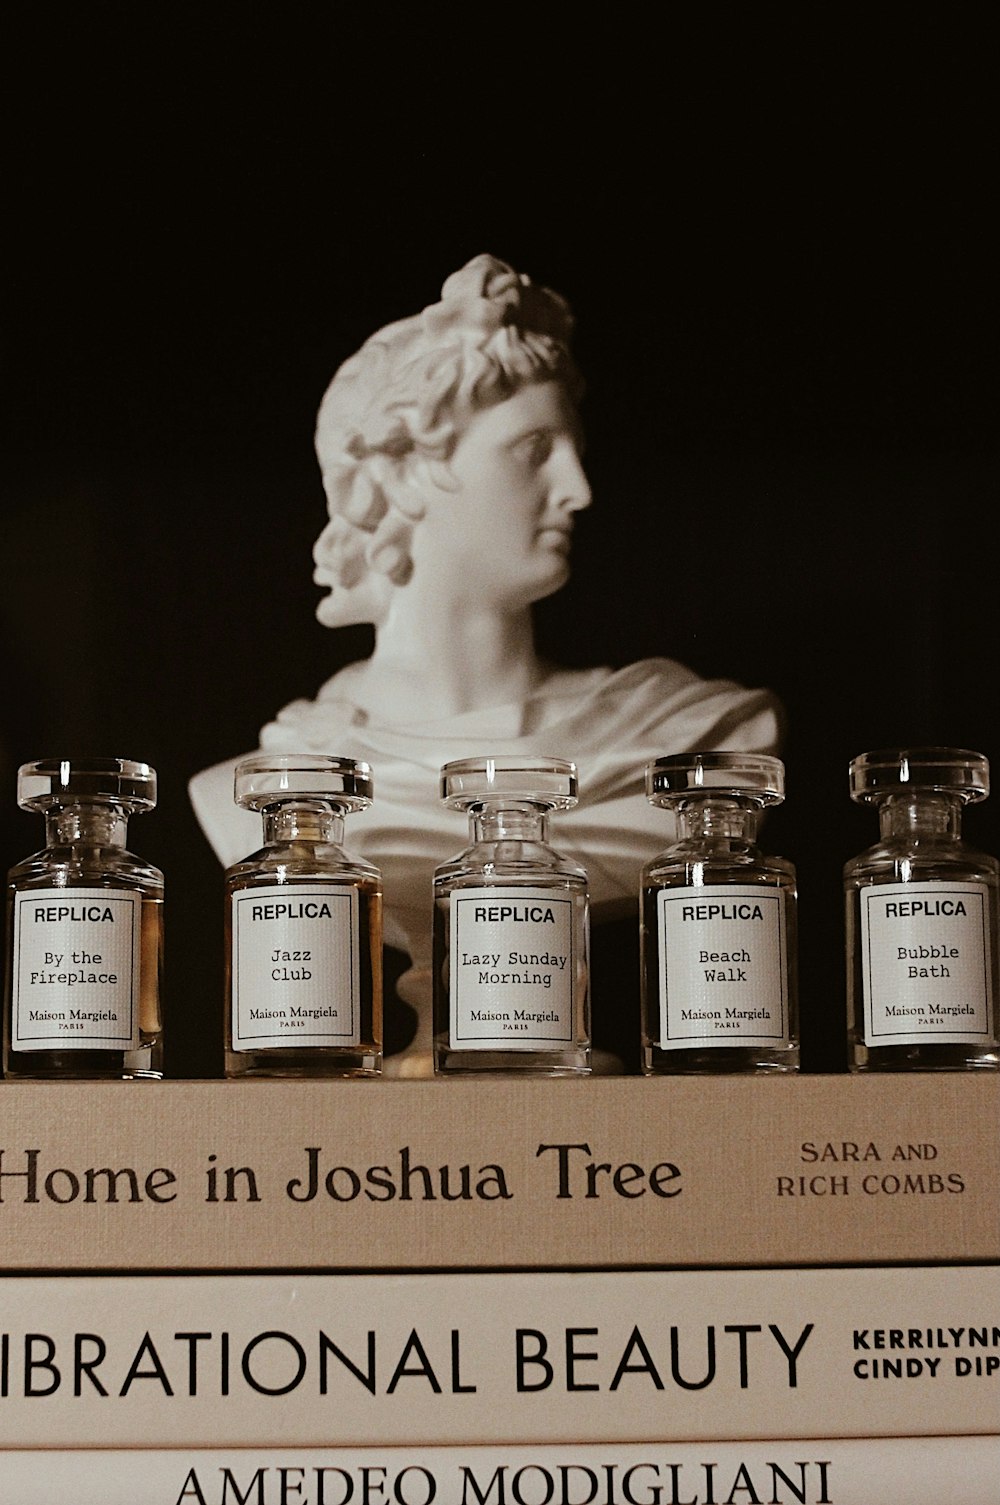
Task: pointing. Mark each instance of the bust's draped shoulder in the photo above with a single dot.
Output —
(610, 722)
(644, 703)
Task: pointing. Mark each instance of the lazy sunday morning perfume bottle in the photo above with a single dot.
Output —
(921, 918)
(511, 929)
(85, 929)
(303, 926)
(718, 923)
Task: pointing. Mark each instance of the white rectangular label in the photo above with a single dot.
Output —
(723, 968)
(512, 969)
(296, 969)
(926, 964)
(76, 969)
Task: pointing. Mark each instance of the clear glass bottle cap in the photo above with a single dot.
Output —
(755, 776)
(468, 782)
(954, 770)
(268, 779)
(54, 783)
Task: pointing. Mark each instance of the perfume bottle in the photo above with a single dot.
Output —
(85, 929)
(303, 926)
(511, 926)
(921, 918)
(718, 928)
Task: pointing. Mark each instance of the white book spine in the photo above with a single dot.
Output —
(529, 1358)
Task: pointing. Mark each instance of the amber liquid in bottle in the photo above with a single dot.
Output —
(285, 990)
(86, 852)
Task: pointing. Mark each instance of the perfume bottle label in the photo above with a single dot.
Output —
(723, 966)
(513, 969)
(926, 963)
(76, 969)
(295, 966)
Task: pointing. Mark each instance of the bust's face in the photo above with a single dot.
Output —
(502, 537)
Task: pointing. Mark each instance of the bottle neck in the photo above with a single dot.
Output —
(86, 825)
(520, 821)
(304, 820)
(719, 820)
(920, 813)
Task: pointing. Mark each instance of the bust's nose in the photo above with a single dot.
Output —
(570, 489)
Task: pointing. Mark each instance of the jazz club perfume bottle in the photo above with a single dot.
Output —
(303, 926)
(511, 931)
(85, 929)
(718, 923)
(921, 917)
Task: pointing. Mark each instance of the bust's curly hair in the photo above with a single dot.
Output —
(393, 413)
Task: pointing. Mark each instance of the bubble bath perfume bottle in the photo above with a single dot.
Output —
(718, 923)
(85, 929)
(921, 918)
(303, 926)
(511, 932)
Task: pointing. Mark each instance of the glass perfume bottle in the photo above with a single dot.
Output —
(85, 929)
(303, 926)
(921, 917)
(718, 930)
(511, 926)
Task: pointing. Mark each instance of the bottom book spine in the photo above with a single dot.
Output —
(830, 1471)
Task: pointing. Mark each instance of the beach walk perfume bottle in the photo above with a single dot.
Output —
(921, 918)
(303, 926)
(718, 923)
(85, 929)
(511, 930)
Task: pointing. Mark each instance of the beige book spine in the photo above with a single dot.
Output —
(602, 1173)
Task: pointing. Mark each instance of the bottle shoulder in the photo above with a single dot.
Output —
(302, 862)
(914, 861)
(85, 867)
(694, 863)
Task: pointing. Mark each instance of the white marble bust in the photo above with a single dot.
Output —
(450, 452)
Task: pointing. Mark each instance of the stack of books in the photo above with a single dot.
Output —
(617, 1291)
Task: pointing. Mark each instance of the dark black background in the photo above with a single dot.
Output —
(775, 226)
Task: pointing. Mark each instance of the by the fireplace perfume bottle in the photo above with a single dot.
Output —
(511, 929)
(718, 923)
(303, 926)
(921, 917)
(85, 929)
